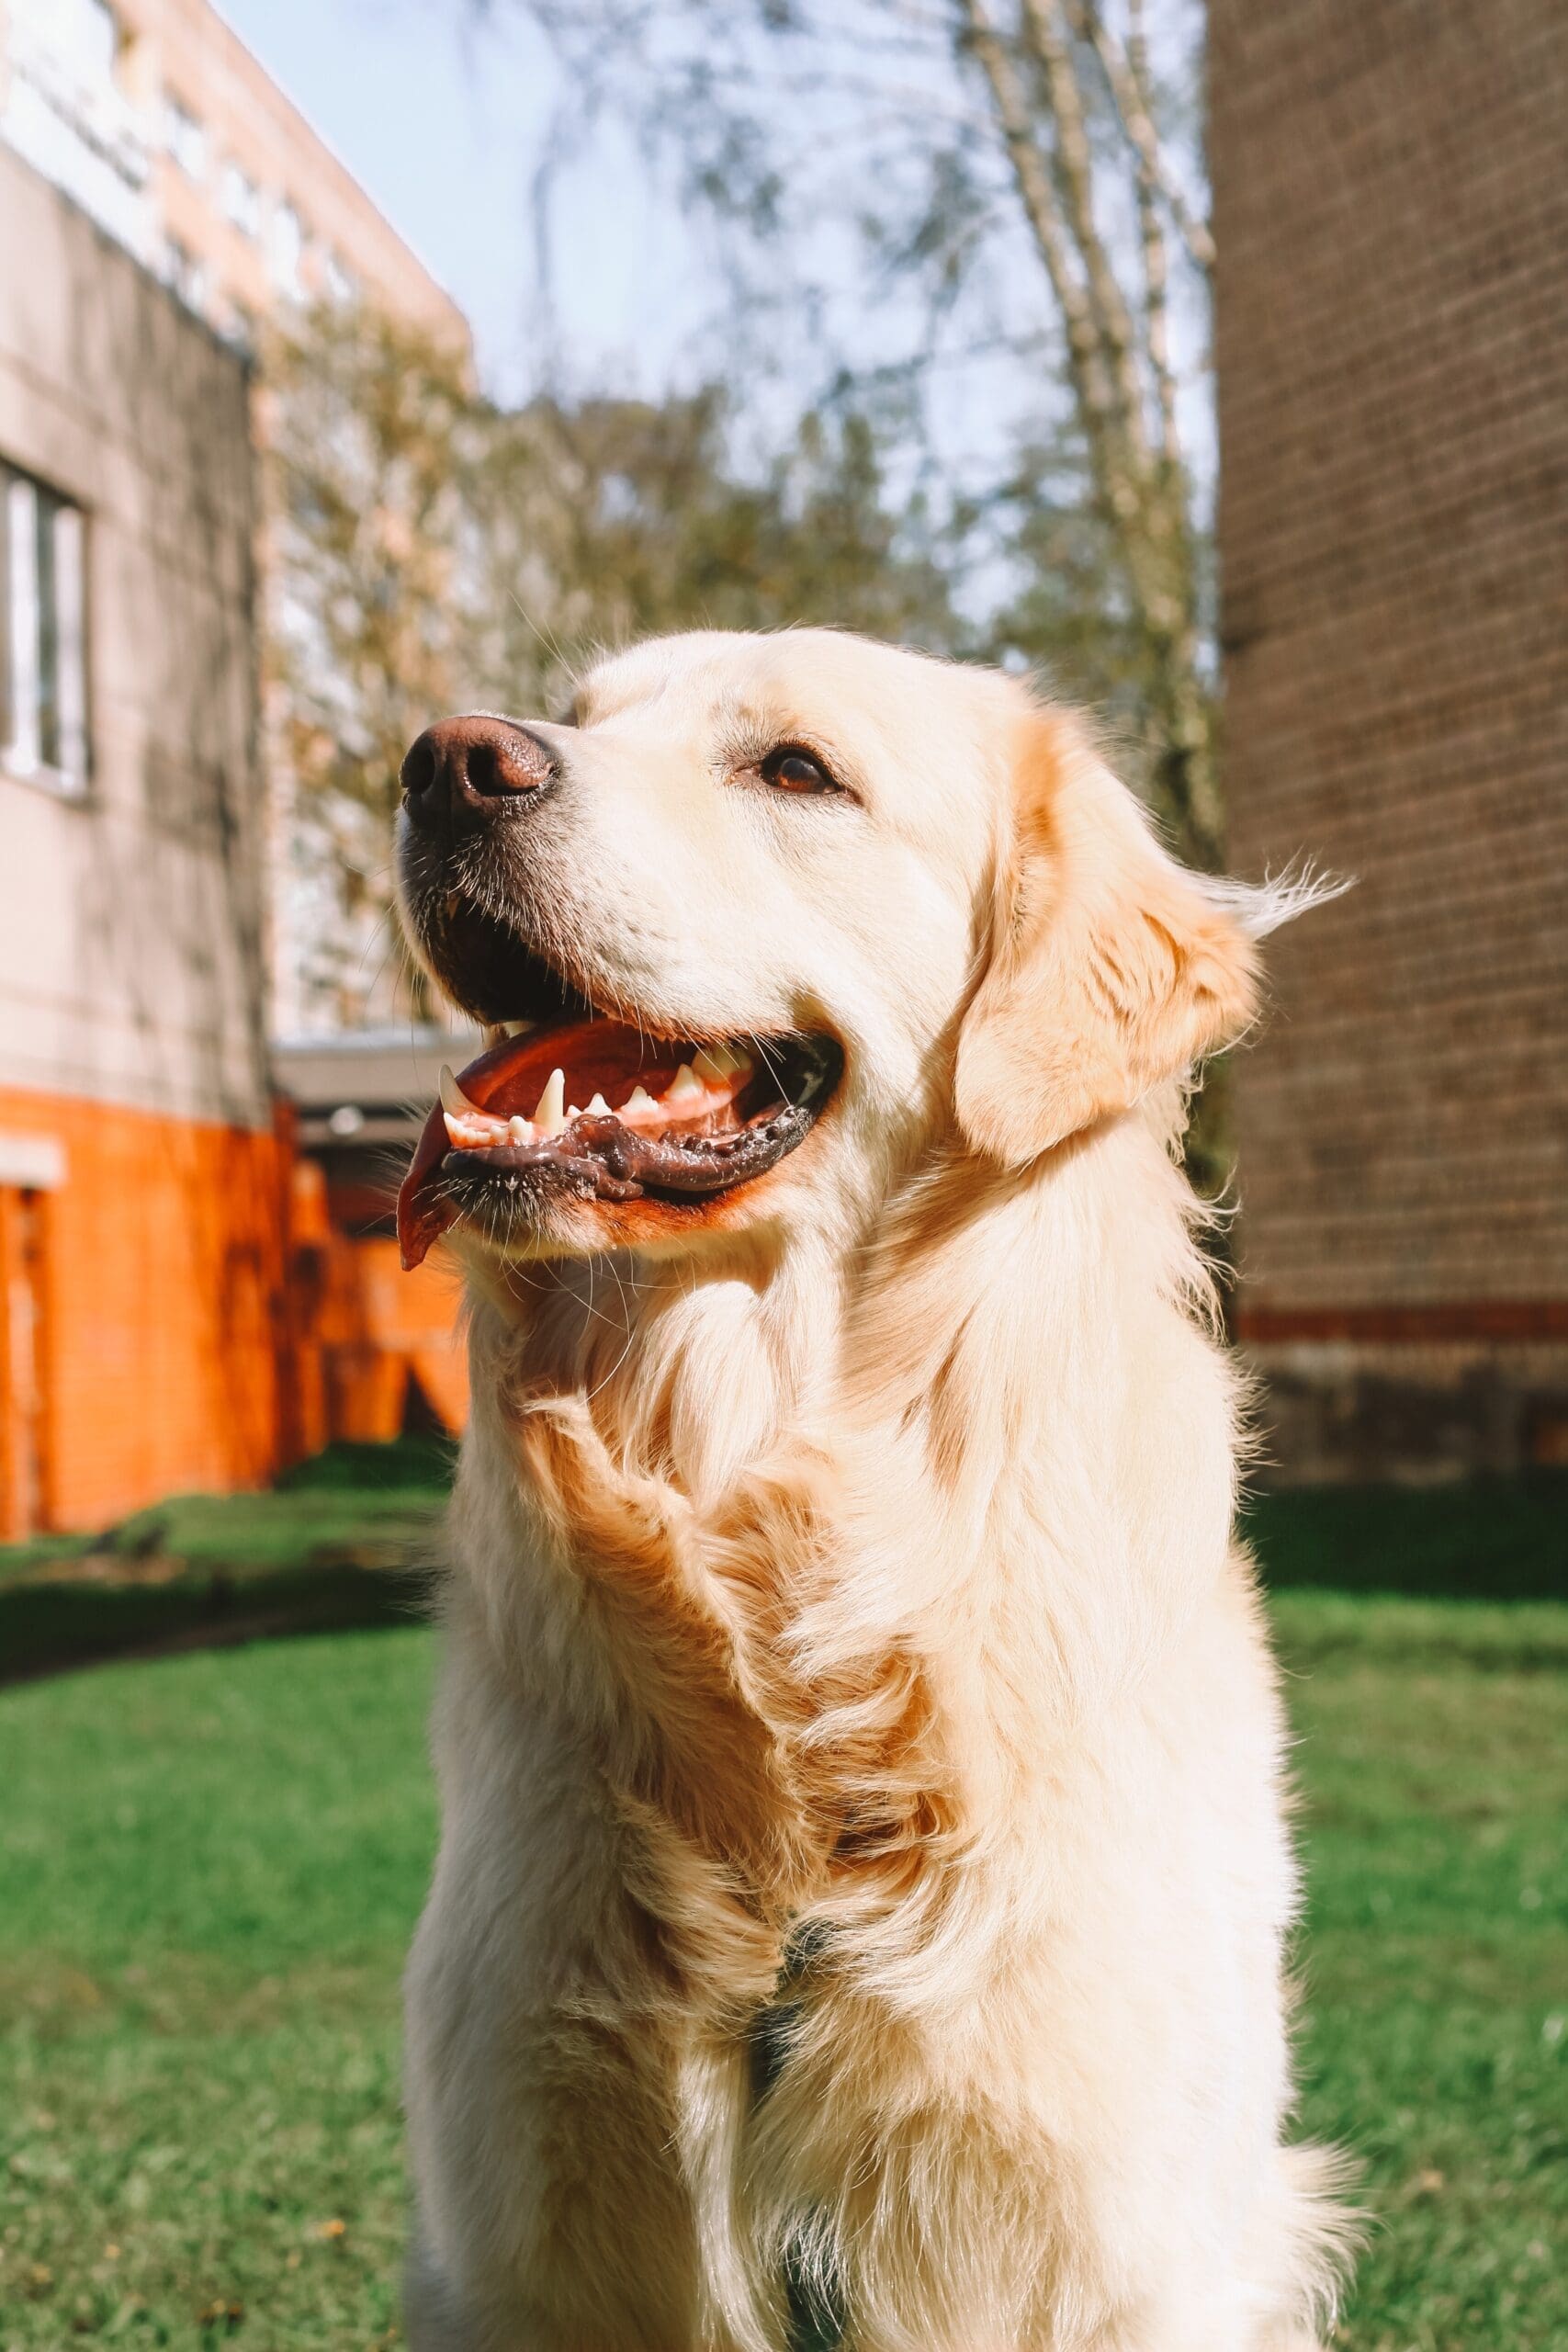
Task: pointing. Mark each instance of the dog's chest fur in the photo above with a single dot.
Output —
(837, 1835)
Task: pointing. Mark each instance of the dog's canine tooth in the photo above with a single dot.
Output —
(453, 1097)
(550, 1111)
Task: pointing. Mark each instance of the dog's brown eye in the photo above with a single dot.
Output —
(793, 770)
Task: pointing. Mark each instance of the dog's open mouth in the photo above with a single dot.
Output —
(582, 1106)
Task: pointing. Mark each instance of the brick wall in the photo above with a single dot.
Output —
(1391, 198)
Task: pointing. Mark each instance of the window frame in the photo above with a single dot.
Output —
(186, 275)
(44, 677)
(241, 201)
(287, 236)
(340, 281)
(185, 138)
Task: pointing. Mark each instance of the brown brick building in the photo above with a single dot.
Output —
(1391, 198)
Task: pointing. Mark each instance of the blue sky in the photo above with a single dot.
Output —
(443, 118)
(442, 110)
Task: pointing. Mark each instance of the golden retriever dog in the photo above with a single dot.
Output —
(863, 1874)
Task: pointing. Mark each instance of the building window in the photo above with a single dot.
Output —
(286, 243)
(185, 273)
(43, 669)
(241, 201)
(339, 280)
(88, 34)
(184, 137)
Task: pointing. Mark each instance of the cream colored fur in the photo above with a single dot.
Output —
(856, 1573)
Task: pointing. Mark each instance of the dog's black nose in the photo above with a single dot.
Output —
(465, 771)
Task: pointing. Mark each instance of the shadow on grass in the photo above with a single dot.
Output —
(49, 1628)
(407, 1462)
(345, 1540)
(1490, 1539)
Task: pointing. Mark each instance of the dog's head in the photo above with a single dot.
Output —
(764, 918)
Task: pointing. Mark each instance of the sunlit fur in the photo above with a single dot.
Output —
(855, 1572)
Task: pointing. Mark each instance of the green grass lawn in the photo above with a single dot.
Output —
(343, 1540)
(347, 1496)
(210, 1866)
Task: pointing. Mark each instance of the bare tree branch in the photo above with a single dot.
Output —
(959, 139)
(1151, 237)
(1092, 382)
(1127, 71)
(1043, 28)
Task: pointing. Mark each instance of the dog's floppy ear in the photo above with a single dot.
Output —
(1110, 968)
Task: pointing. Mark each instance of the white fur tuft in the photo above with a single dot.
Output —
(1262, 908)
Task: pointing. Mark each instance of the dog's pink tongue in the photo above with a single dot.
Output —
(423, 1215)
(424, 1212)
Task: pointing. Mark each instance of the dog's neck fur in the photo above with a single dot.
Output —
(690, 1372)
(1004, 1351)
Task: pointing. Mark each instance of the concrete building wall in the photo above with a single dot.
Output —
(148, 1349)
(143, 1187)
(130, 908)
(154, 115)
(1390, 204)
(312, 232)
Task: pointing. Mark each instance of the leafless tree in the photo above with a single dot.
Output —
(1028, 167)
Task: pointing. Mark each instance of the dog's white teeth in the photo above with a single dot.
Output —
(573, 1112)
(473, 1130)
(598, 1108)
(453, 1097)
(717, 1065)
(685, 1085)
(550, 1111)
(639, 1099)
(519, 1130)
